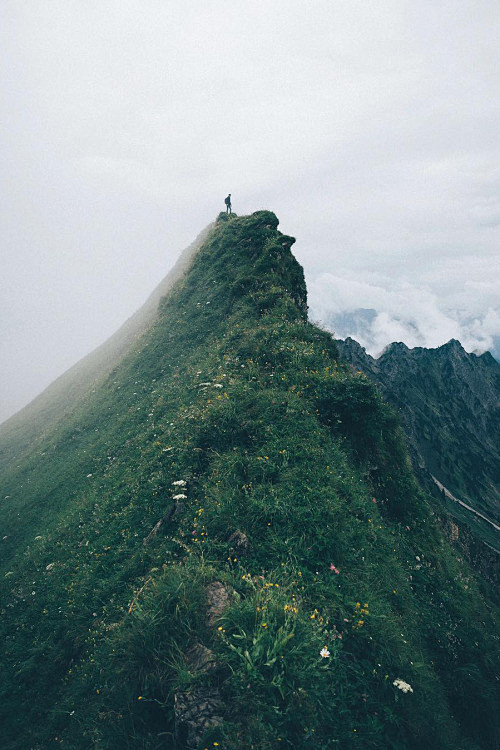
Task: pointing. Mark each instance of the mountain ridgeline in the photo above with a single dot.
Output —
(21, 431)
(221, 542)
(449, 404)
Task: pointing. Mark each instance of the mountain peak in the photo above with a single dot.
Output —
(230, 495)
(353, 344)
(266, 217)
(396, 346)
(246, 261)
(453, 345)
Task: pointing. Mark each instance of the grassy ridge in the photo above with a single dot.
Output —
(277, 475)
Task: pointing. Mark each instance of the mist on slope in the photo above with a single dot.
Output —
(371, 130)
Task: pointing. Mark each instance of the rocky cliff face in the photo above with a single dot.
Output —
(449, 404)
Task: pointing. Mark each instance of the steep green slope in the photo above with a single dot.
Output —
(224, 545)
(449, 403)
(20, 433)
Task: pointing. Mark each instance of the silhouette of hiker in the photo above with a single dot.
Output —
(227, 201)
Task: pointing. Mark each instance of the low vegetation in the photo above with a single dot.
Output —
(224, 545)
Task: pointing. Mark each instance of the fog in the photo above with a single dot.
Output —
(370, 129)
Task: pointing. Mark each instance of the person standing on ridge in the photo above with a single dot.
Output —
(227, 201)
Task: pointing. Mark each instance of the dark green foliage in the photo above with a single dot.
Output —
(242, 403)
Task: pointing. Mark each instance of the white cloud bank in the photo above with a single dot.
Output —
(418, 313)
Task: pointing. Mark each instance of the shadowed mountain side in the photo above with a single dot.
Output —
(449, 403)
(18, 433)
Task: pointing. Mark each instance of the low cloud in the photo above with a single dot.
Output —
(379, 311)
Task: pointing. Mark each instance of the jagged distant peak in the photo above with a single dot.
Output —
(353, 344)
(453, 345)
(397, 346)
(487, 357)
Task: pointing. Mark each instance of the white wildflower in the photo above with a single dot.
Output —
(324, 653)
(49, 566)
(180, 496)
(218, 385)
(180, 483)
(402, 685)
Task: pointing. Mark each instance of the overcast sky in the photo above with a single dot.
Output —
(370, 128)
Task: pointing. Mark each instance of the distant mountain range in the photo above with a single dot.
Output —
(449, 404)
(357, 324)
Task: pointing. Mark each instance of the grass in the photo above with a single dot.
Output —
(235, 394)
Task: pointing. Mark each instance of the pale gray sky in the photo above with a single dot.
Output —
(371, 129)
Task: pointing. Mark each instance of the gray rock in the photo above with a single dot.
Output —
(196, 711)
(218, 600)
